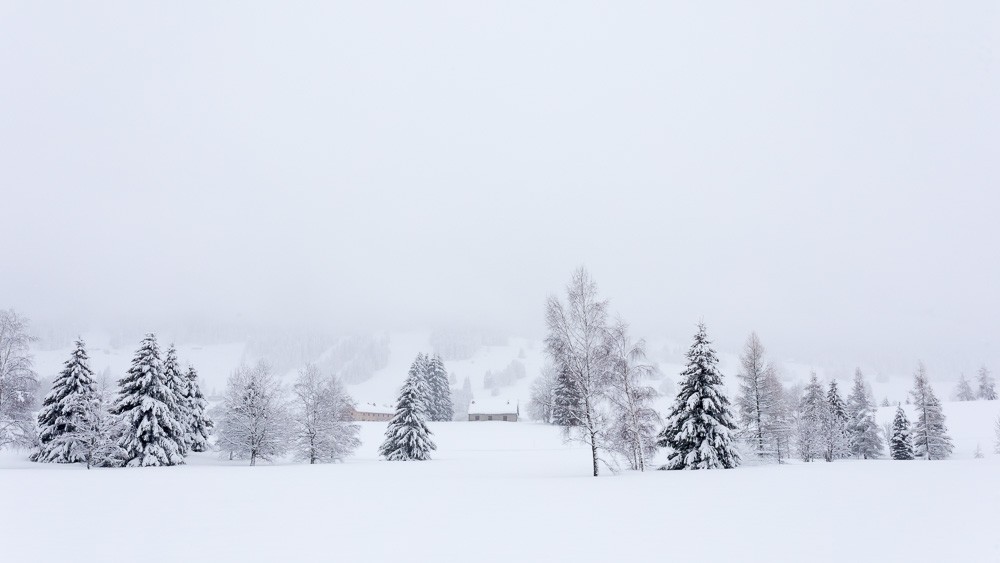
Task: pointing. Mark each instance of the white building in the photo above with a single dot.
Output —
(494, 408)
(373, 412)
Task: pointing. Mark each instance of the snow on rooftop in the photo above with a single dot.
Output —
(493, 405)
(375, 408)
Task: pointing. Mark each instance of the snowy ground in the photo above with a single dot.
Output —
(505, 492)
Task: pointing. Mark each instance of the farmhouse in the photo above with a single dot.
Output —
(504, 410)
(372, 412)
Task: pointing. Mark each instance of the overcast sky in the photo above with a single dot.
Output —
(826, 175)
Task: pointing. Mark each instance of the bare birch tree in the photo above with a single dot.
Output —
(635, 420)
(18, 381)
(578, 343)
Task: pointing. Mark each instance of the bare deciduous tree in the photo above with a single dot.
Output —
(578, 344)
(324, 430)
(255, 422)
(635, 421)
(18, 381)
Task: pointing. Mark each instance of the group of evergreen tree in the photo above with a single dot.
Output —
(158, 416)
(407, 437)
(985, 391)
(927, 438)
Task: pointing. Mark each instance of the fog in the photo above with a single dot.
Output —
(825, 175)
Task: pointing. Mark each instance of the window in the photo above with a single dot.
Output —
(477, 417)
(490, 417)
(505, 418)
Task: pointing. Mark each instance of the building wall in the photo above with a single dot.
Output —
(361, 416)
(510, 417)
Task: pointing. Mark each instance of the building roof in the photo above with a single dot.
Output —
(493, 405)
(375, 408)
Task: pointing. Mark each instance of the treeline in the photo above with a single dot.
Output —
(158, 415)
(594, 388)
(156, 418)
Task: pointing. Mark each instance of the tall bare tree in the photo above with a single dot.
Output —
(18, 381)
(757, 398)
(635, 419)
(578, 344)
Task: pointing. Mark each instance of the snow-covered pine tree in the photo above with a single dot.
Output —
(963, 391)
(441, 407)
(199, 423)
(930, 435)
(421, 365)
(324, 430)
(178, 384)
(901, 445)
(565, 400)
(634, 419)
(151, 432)
(987, 386)
(757, 399)
(865, 440)
(809, 435)
(93, 437)
(834, 426)
(699, 428)
(407, 436)
(64, 408)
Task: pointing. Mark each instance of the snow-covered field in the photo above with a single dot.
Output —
(509, 492)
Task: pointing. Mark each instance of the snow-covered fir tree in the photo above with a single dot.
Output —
(324, 430)
(987, 385)
(407, 437)
(633, 432)
(151, 432)
(70, 400)
(758, 400)
(963, 391)
(440, 407)
(256, 423)
(178, 384)
(833, 426)
(93, 439)
(199, 423)
(699, 428)
(865, 438)
(901, 444)
(809, 436)
(930, 435)
(565, 399)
